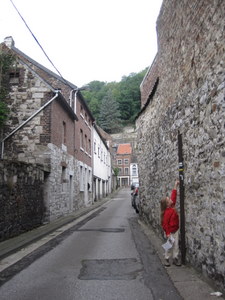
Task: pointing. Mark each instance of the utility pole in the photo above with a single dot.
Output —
(182, 211)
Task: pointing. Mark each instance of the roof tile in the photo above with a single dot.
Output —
(124, 149)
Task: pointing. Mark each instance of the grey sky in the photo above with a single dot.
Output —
(86, 39)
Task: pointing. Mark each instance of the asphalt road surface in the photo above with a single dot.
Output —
(104, 257)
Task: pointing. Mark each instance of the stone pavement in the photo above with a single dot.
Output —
(190, 284)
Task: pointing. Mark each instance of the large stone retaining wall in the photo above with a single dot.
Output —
(21, 198)
(189, 99)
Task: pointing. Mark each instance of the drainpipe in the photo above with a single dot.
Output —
(25, 122)
(182, 196)
(75, 97)
(75, 101)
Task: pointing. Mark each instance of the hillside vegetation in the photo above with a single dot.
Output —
(115, 104)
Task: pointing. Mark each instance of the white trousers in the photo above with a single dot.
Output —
(174, 251)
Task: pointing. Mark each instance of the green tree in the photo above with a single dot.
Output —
(116, 173)
(126, 93)
(109, 117)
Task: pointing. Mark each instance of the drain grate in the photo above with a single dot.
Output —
(110, 269)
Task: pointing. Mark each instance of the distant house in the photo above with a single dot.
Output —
(50, 126)
(122, 161)
(102, 170)
(134, 179)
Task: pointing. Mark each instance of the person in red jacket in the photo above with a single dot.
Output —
(170, 225)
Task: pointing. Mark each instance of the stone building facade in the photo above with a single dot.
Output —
(43, 130)
(183, 95)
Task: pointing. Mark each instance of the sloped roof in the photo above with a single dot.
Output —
(124, 149)
(54, 81)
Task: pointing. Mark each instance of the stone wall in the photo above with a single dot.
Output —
(44, 140)
(21, 198)
(61, 187)
(190, 99)
(26, 97)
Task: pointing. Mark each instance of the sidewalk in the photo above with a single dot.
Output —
(15, 244)
(190, 284)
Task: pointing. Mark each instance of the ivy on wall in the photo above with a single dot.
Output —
(6, 62)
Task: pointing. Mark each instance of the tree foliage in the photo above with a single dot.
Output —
(125, 93)
(6, 62)
(109, 116)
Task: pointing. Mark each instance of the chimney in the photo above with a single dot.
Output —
(9, 42)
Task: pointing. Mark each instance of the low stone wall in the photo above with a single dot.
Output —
(21, 198)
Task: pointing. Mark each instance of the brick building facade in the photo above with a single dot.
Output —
(122, 160)
(43, 130)
(183, 95)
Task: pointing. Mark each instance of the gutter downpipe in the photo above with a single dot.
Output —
(75, 102)
(71, 95)
(25, 122)
(75, 99)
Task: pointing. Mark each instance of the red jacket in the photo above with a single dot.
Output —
(170, 221)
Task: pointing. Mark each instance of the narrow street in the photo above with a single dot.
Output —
(106, 256)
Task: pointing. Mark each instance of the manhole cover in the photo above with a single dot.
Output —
(110, 269)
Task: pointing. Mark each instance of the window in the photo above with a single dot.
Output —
(63, 175)
(95, 147)
(81, 179)
(120, 171)
(85, 143)
(89, 181)
(119, 161)
(126, 171)
(98, 151)
(89, 146)
(64, 133)
(134, 170)
(14, 77)
(81, 139)
(126, 161)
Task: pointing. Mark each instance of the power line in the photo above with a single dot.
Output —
(37, 41)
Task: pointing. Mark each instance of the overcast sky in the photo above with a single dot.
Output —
(85, 39)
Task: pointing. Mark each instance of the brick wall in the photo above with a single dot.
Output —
(62, 128)
(21, 198)
(84, 124)
(190, 99)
